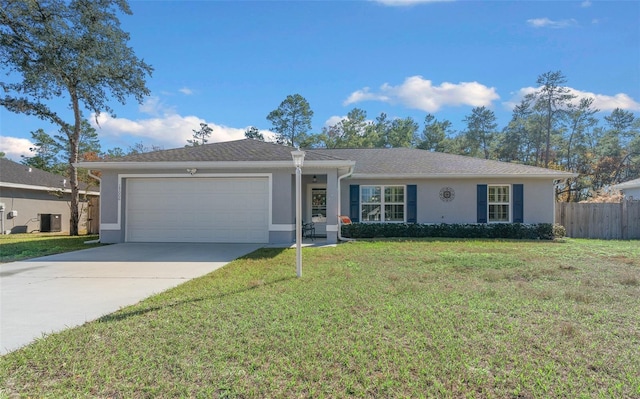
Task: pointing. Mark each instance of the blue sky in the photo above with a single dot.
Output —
(229, 63)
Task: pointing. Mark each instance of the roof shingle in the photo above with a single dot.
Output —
(408, 161)
(389, 162)
(246, 150)
(16, 173)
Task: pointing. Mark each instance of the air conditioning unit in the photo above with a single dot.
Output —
(50, 223)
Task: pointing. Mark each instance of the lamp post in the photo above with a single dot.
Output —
(298, 159)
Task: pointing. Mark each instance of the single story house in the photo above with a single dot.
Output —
(630, 189)
(34, 200)
(244, 191)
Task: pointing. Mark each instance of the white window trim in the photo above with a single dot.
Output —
(383, 203)
(509, 203)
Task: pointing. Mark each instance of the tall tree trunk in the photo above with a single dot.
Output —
(74, 142)
(548, 138)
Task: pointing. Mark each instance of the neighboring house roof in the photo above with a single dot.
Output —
(628, 184)
(17, 175)
(371, 162)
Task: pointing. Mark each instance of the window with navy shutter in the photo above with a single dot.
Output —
(518, 203)
(412, 203)
(482, 203)
(354, 203)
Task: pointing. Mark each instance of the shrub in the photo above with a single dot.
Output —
(541, 231)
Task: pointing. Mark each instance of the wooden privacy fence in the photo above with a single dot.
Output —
(93, 215)
(606, 221)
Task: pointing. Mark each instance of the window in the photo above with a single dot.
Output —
(499, 203)
(382, 204)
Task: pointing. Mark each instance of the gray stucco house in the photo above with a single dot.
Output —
(244, 191)
(34, 200)
(630, 189)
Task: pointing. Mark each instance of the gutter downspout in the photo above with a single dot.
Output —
(100, 181)
(340, 237)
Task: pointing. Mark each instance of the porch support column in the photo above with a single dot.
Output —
(332, 206)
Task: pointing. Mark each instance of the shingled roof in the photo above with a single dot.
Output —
(414, 162)
(13, 173)
(246, 150)
(16, 173)
(387, 162)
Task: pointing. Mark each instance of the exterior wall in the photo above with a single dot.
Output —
(31, 203)
(282, 225)
(539, 201)
(632, 193)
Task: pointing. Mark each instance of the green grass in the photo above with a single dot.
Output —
(14, 247)
(430, 318)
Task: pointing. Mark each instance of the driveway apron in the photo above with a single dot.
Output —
(48, 294)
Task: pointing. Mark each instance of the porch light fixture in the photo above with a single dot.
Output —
(298, 160)
(315, 178)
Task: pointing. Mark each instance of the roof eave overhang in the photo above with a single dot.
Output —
(562, 175)
(211, 165)
(44, 188)
(625, 187)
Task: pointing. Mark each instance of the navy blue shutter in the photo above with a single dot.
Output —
(412, 203)
(518, 203)
(482, 203)
(354, 203)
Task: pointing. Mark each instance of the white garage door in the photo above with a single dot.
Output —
(197, 210)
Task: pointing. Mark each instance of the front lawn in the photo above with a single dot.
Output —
(14, 247)
(430, 318)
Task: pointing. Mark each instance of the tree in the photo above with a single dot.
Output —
(402, 133)
(481, 130)
(46, 153)
(200, 136)
(514, 140)
(73, 50)
(253, 133)
(435, 134)
(350, 132)
(52, 153)
(551, 100)
(621, 143)
(140, 148)
(115, 152)
(291, 120)
(377, 131)
(580, 121)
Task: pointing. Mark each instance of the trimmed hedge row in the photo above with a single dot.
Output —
(541, 231)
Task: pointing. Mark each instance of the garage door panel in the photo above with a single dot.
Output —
(197, 210)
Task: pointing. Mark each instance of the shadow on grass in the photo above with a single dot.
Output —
(126, 314)
(263, 253)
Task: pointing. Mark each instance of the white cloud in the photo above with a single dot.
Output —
(168, 131)
(549, 23)
(334, 120)
(404, 3)
(152, 105)
(419, 93)
(603, 102)
(186, 91)
(585, 4)
(14, 147)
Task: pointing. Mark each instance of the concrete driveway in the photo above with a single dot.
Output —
(48, 294)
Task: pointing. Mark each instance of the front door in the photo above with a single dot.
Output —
(317, 207)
